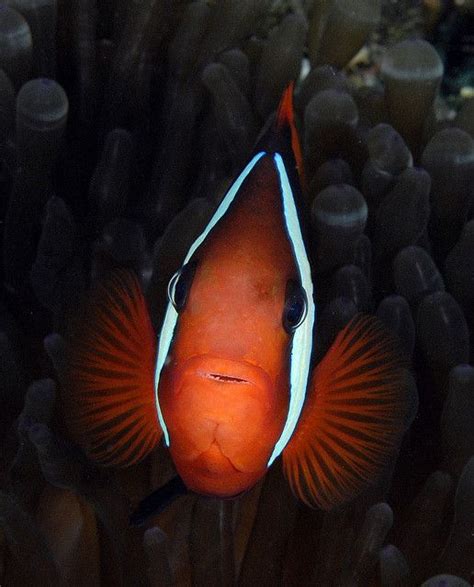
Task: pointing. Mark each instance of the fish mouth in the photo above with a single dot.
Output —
(227, 371)
(224, 378)
(220, 417)
(213, 458)
(213, 473)
(214, 455)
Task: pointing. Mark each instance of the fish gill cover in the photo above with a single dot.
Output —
(121, 126)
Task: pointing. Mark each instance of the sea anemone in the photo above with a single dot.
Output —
(121, 126)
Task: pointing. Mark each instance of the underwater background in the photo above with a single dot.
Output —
(122, 123)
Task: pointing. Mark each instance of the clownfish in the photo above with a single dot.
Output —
(230, 385)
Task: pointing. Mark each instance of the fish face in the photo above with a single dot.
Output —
(235, 348)
(224, 417)
(224, 387)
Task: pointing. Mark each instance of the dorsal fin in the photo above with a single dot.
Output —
(285, 114)
(286, 119)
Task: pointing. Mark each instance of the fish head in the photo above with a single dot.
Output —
(224, 388)
(231, 373)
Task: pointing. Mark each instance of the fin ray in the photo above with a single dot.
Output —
(108, 385)
(357, 409)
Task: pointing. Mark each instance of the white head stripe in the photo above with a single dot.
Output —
(302, 343)
(171, 316)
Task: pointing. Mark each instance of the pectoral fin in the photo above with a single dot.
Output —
(358, 407)
(108, 385)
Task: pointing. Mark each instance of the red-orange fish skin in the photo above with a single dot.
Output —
(213, 474)
(224, 391)
(222, 422)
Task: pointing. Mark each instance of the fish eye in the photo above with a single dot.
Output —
(179, 285)
(296, 306)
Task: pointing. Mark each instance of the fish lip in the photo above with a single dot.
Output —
(216, 444)
(213, 446)
(227, 371)
(228, 374)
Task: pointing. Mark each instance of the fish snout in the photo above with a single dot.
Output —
(223, 419)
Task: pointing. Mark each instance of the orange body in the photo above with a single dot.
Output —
(224, 391)
(233, 387)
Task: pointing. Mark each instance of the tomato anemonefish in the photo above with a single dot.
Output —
(230, 385)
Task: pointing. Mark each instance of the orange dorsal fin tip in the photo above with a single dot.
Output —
(360, 402)
(285, 109)
(108, 385)
(286, 117)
